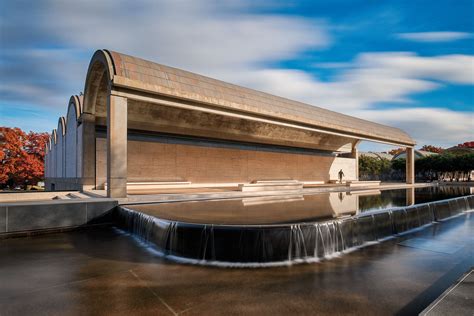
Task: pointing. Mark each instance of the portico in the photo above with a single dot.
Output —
(146, 122)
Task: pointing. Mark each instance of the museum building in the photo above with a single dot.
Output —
(141, 123)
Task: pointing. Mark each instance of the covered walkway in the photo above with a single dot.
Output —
(145, 122)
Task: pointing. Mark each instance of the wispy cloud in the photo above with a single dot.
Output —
(438, 126)
(199, 36)
(45, 60)
(389, 77)
(434, 36)
(369, 79)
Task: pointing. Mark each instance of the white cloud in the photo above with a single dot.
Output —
(196, 35)
(200, 36)
(43, 77)
(429, 125)
(434, 36)
(373, 78)
(448, 68)
(229, 42)
(370, 79)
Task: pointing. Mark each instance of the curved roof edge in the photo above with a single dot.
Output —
(104, 57)
(48, 143)
(142, 75)
(75, 104)
(54, 137)
(418, 153)
(62, 125)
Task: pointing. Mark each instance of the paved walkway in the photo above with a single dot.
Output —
(457, 300)
(104, 272)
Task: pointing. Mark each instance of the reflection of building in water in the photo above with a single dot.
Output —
(259, 200)
(294, 208)
(269, 210)
(348, 203)
(343, 203)
(410, 196)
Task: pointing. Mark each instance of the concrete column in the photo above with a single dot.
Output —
(410, 165)
(88, 151)
(116, 146)
(355, 155)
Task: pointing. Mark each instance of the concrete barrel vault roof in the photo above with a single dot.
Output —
(146, 76)
(54, 137)
(61, 126)
(75, 103)
(48, 143)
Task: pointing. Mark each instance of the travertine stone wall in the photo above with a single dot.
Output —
(101, 161)
(60, 149)
(52, 153)
(154, 161)
(79, 153)
(348, 166)
(59, 156)
(71, 146)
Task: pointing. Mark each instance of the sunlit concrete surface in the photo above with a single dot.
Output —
(457, 300)
(103, 271)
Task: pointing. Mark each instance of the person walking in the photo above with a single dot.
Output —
(341, 174)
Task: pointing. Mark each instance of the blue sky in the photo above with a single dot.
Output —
(408, 64)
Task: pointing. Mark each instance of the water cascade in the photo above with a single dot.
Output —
(283, 243)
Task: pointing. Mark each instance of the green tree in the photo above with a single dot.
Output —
(372, 168)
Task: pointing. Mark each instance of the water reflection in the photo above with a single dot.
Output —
(296, 208)
(410, 196)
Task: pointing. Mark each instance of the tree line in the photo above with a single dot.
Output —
(444, 167)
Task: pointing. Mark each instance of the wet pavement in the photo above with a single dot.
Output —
(457, 300)
(101, 271)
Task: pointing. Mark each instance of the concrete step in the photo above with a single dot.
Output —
(155, 185)
(78, 195)
(61, 197)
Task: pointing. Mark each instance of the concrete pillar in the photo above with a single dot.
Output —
(355, 155)
(410, 165)
(88, 151)
(116, 146)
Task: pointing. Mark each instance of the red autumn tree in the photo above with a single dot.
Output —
(467, 145)
(21, 157)
(432, 149)
(396, 151)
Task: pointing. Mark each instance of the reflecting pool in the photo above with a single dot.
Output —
(296, 208)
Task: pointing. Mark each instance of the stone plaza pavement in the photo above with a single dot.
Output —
(102, 271)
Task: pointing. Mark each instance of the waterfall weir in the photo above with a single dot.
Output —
(248, 245)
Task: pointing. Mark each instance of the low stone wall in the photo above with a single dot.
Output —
(31, 217)
(24, 196)
(55, 184)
